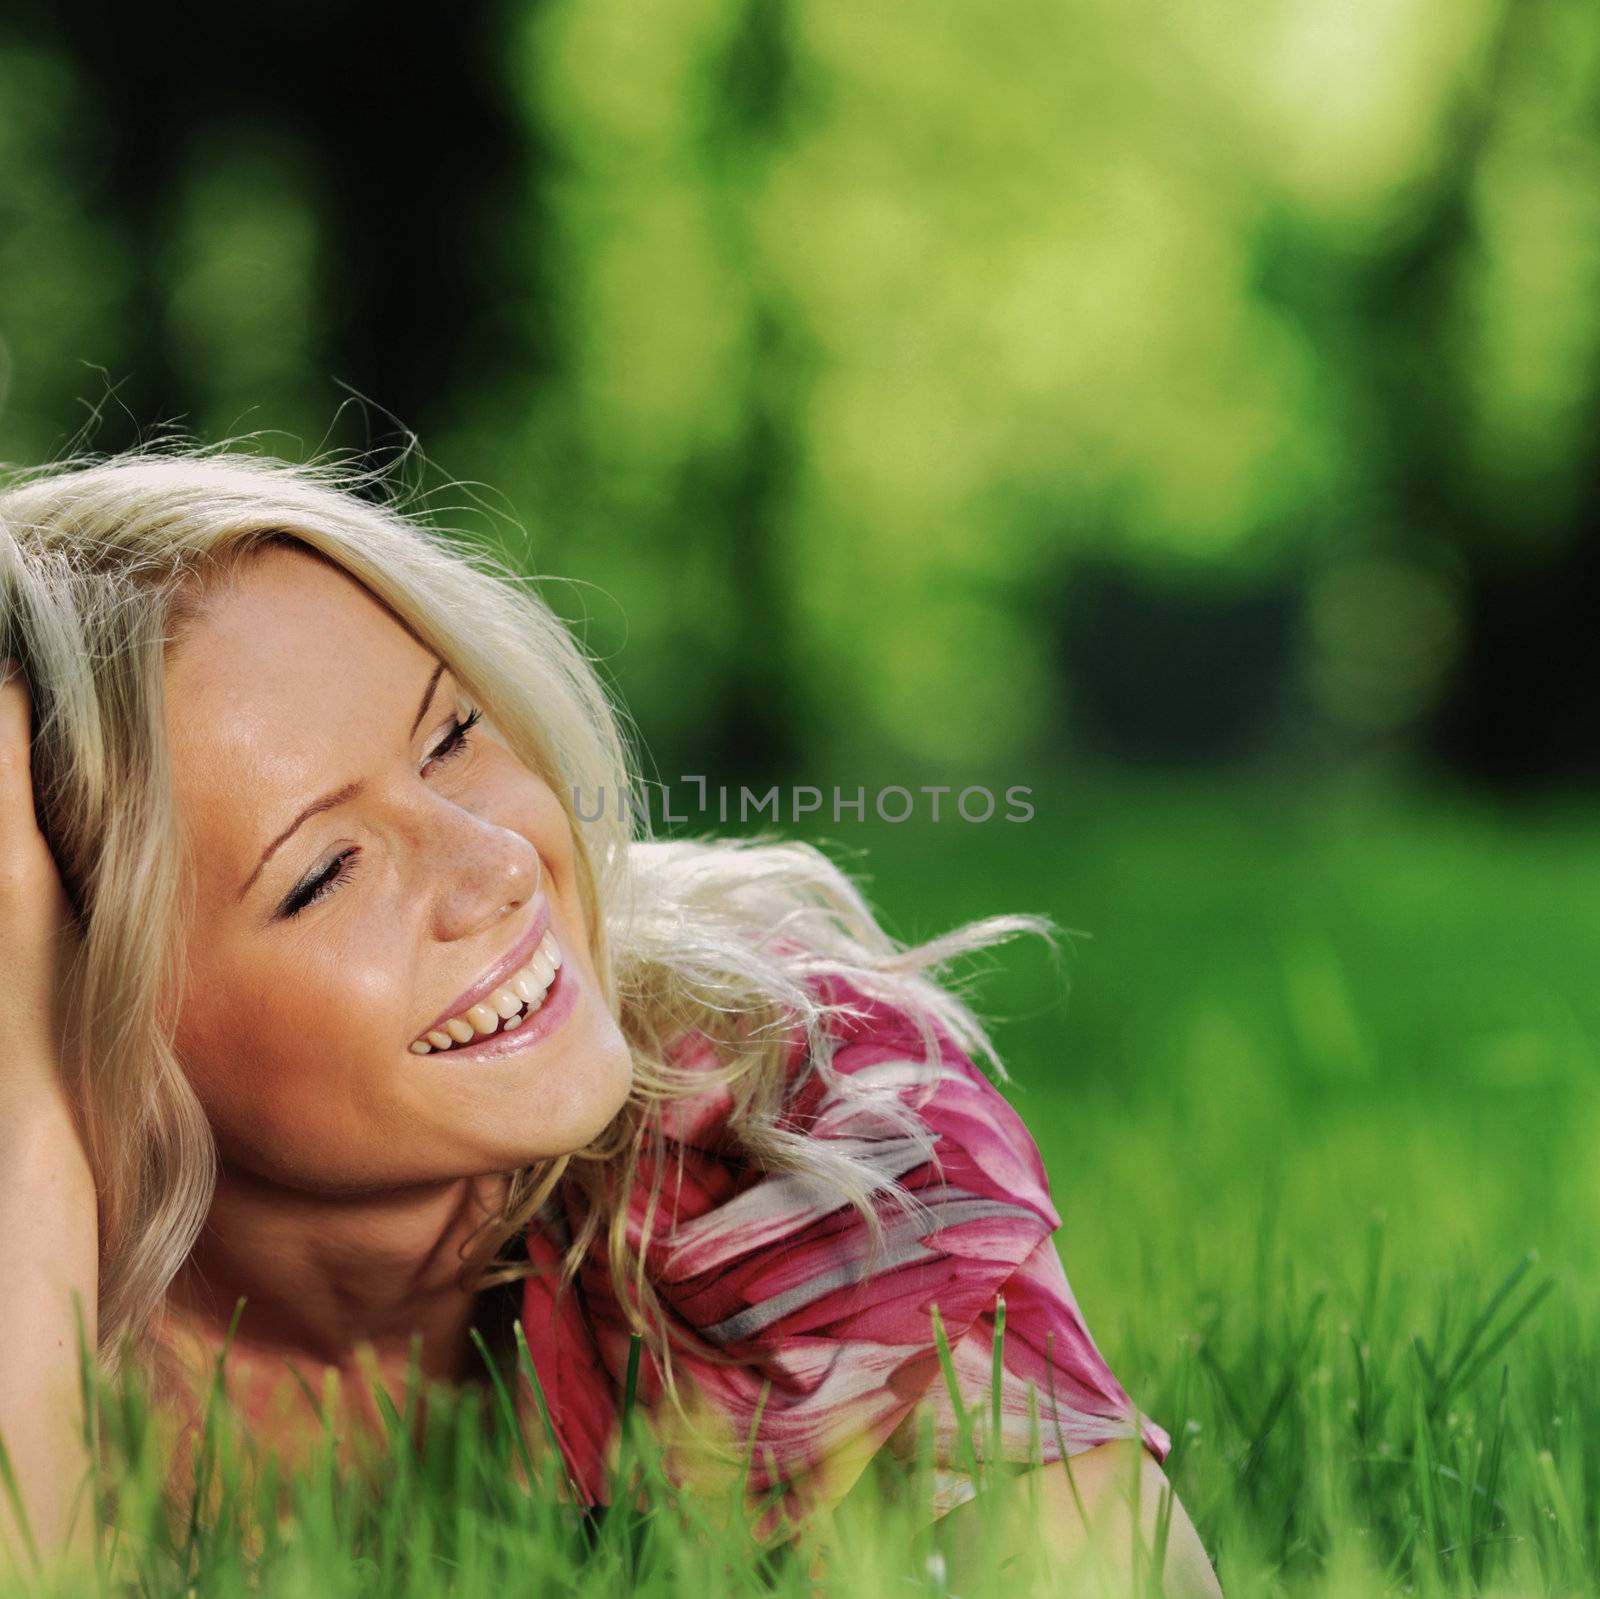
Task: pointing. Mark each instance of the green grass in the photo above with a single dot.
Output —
(1320, 1114)
(1318, 1079)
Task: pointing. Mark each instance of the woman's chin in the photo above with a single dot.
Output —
(561, 1114)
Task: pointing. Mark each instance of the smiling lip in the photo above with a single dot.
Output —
(508, 966)
(560, 1001)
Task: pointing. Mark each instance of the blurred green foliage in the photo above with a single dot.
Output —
(852, 333)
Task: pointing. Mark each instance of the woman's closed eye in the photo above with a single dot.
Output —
(342, 865)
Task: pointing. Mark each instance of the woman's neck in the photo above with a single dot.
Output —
(322, 1276)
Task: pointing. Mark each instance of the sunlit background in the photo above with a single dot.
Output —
(1152, 381)
(1190, 412)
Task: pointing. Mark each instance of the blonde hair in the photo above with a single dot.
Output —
(104, 562)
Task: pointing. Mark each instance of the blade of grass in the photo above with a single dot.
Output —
(89, 1395)
(1158, 1554)
(1230, 1400)
(1430, 1374)
(1182, 1436)
(1508, 1332)
(739, 1489)
(964, 1430)
(525, 1362)
(8, 1478)
(1492, 1483)
(1138, 1555)
(1422, 1460)
(394, 1424)
(508, 1408)
(214, 1396)
(625, 1419)
(413, 1381)
(1061, 1445)
(306, 1389)
(1481, 1325)
(630, 1387)
(996, 1449)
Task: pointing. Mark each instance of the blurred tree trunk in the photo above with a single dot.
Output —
(1522, 708)
(409, 124)
(752, 108)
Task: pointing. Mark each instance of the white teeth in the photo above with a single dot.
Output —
(485, 1018)
(504, 1009)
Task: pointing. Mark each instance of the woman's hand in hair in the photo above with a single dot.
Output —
(39, 936)
(49, 1234)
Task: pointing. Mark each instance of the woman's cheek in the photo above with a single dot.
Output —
(252, 1051)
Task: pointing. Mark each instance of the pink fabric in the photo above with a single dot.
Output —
(770, 1267)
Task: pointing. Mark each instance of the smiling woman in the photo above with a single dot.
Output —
(408, 892)
(363, 1019)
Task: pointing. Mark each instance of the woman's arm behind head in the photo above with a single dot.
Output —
(49, 1228)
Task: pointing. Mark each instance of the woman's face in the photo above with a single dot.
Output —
(296, 1024)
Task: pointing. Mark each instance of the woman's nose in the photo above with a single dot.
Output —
(480, 876)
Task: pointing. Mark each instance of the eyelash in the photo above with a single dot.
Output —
(454, 743)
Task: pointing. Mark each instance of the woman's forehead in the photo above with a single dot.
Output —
(284, 611)
(276, 688)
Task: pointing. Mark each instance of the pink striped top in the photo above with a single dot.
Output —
(772, 1267)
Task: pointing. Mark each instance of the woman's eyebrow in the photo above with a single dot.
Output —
(339, 796)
